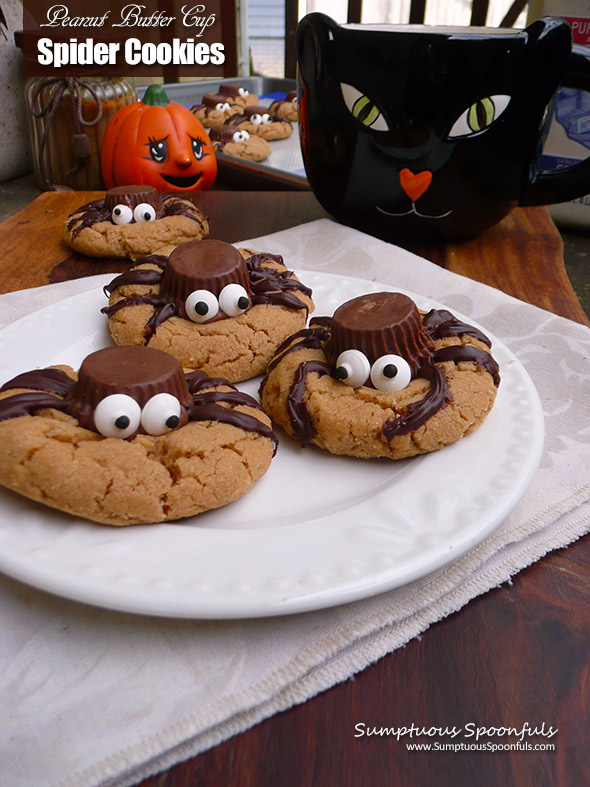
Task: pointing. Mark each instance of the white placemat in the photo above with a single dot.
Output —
(89, 696)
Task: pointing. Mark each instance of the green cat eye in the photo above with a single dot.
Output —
(479, 116)
(363, 108)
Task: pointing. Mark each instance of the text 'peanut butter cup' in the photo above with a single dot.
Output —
(139, 372)
(378, 324)
(203, 265)
(134, 196)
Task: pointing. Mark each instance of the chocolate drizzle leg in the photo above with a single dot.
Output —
(28, 404)
(472, 354)
(272, 286)
(417, 413)
(301, 422)
(208, 405)
(47, 386)
(441, 323)
(312, 338)
(50, 380)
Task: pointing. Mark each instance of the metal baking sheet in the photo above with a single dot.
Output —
(283, 169)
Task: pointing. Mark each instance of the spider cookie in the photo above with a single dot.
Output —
(213, 110)
(258, 121)
(132, 221)
(239, 143)
(130, 439)
(236, 94)
(209, 305)
(286, 107)
(381, 379)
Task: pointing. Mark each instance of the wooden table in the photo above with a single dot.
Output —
(520, 653)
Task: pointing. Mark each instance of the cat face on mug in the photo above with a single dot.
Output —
(430, 133)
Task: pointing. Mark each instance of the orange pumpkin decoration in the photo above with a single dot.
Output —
(157, 142)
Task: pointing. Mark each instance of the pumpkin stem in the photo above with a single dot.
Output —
(155, 96)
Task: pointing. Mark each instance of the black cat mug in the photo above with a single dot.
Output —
(433, 133)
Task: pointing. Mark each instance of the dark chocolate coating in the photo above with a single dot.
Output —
(377, 324)
(202, 265)
(133, 196)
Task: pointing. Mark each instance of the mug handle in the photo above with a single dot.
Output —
(549, 187)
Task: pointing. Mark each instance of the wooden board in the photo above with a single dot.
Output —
(523, 255)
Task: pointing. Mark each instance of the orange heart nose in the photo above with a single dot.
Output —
(415, 184)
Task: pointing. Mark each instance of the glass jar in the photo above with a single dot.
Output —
(66, 127)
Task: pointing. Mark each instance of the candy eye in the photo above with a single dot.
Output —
(241, 136)
(144, 212)
(391, 373)
(364, 109)
(479, 116)
(158, 150)
(161, 414)
(117, 415)
(256, 119)
(197, 147)
(243, 92)
(352, 368)
(201, 305)
(233, 300)
(266, 119)
(122, 214)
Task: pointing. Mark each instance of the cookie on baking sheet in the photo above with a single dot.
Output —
(130, 439)
(132, 221)
(239, 143)
(237, 94)
(381, 379)
(213, 110)
(286, 107)
(215, 308)
(258, 121)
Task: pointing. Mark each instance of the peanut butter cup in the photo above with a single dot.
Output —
(139, 372)
(378, 324)
(231, 89)
(222, 134)
(211, 100)
(134, 196)
(203, 265)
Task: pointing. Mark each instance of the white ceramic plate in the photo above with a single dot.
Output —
(316, 530)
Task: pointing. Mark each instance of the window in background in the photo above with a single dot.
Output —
(266, 22)
(266, 31)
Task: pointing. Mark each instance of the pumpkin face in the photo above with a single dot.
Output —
(157, 142)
